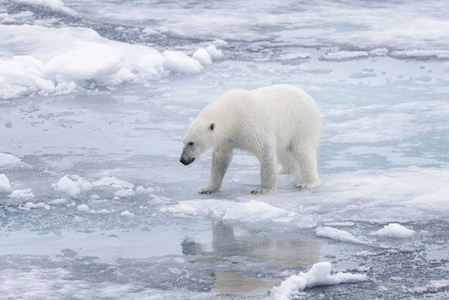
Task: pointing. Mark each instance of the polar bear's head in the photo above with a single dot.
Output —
(199, 137)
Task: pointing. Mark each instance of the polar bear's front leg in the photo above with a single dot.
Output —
(220, 164)
(268, 176)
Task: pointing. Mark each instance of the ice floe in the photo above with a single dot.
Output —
(252, 210)
(394, 230)
(73, 185)
(319, 274)
(5, 186)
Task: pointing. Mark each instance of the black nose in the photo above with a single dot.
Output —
(187, 161)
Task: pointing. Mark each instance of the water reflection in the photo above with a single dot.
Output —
(276, 250)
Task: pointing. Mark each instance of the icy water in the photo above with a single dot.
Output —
(95, 100)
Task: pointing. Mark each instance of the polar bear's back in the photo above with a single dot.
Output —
(283, 99)
(288, 109)
(281, 110)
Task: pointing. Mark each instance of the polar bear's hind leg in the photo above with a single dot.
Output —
(289, 162)
(307, 162)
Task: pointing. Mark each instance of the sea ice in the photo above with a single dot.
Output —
(80, 57)
(26, 194)
(126, 214)
(31, 205)
(55, 5)
(83, 207)
(114, 182)
(59, 201)
(394, 230)
(9, 161)
(202, 56)
(73, 185)
(343, 55)
(88, 61)
(319, 274)
(124, 193)
(379, 75)
(214, 52)
(338, 235)
(433, 286)
(5, 186)
(252, 210)
(179, 62)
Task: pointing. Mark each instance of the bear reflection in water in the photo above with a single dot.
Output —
(277, 251)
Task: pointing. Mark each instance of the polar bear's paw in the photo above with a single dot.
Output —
(263, 191)
(308, 185)
(207, 190)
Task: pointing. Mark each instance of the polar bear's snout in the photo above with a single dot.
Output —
(187, 157)
(187, 161)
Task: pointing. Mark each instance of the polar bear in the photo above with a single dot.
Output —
(279, 122)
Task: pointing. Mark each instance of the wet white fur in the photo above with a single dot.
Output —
(276, 123)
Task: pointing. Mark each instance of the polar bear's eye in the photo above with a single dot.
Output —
(190, 143)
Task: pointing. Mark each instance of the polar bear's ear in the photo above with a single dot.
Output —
(191, 120)
(212, 126)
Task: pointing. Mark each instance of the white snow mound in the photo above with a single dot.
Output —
(202, 56)
(5, 186)
(73, 185)
(395, 230)
(26, 194)
(80, 57)
(9, 161)
(338, 235)
(179, 62)
(126, 213)
(319, 274)
(88, 61)
(83, 207)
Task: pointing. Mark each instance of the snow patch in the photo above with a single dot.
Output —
(26, 194)
(88, 61)
(114, 182)
(179, 62)
(124, 193)
(80, 57)
(202, 56)
(5, 186)
(338, 235)
(214, 52)
(219, 43)
(318, 275)
(73, 185)
(8, 160)
(83, 207)
(148, 190)
(127, 214)
(55, 5)
(239, 211)
(395, 230)
(59, 201)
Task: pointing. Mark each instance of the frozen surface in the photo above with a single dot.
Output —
(4, 183)
(395, 230)
(319, 274)
(95, 100)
